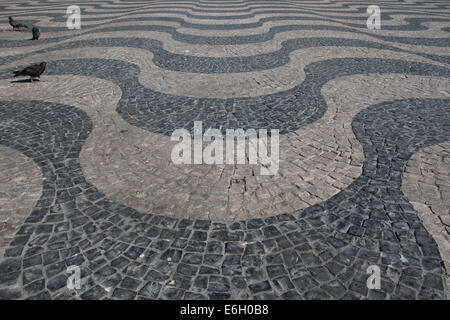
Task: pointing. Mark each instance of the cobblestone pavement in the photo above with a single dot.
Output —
(87, 179)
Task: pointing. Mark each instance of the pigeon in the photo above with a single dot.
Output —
(15, 24)
(33, 71)
(36, 33)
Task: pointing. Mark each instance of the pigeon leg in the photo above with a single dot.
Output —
(31, 80)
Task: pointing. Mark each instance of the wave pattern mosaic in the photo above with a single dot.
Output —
(87, 180)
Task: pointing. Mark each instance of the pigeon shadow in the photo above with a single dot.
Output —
(25, 81)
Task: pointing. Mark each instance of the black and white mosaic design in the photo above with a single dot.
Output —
(321, 252)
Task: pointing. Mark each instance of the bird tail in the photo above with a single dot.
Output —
(18, 73)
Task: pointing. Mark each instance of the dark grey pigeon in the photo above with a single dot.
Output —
(33, 71)
(16, 25)
(36, 33)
